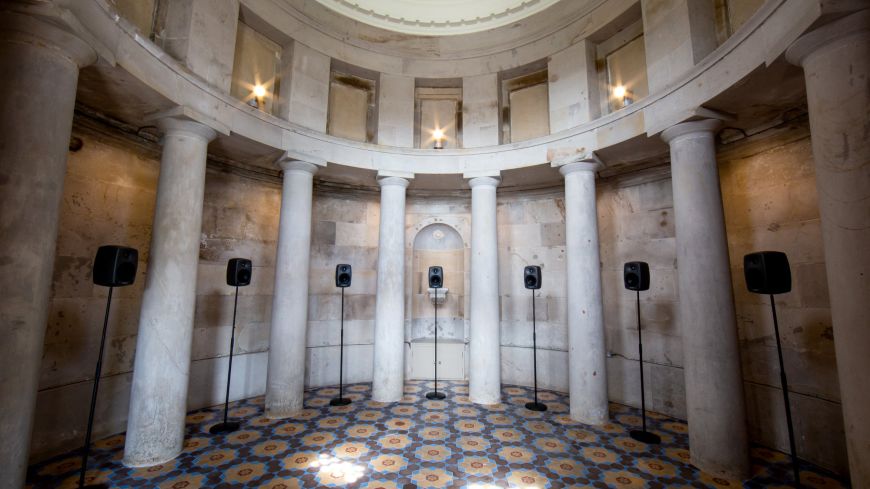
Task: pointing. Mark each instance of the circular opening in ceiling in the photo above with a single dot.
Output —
(437, 17)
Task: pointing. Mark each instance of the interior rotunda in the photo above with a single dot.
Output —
(419, 243)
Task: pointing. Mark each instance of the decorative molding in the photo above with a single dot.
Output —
(437, 18)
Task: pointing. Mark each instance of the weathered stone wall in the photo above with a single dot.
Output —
(109, 196)
(770, 203)
(345, 230)
(531, 231)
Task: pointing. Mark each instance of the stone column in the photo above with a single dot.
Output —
(161, 370)
(484, 374)
(711, 354)
(40, 64)
(286, 372)
(836, 62)
(587, 376)
(389, 366)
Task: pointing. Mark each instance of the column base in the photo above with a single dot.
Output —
(149, 463)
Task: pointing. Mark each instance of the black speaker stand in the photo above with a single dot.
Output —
(435, 395)
(643, 435)
(87, 448)
(341, 400)
(535, 406)
(795, 465)
(228, 426)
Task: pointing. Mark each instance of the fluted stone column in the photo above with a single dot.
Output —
(389, 369)
(484, 376)
(587, 376)
(286, 372)
(40, 64)
(161, 370)
(711, 354)
(836, 62)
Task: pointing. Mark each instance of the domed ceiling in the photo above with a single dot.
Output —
(437, 17)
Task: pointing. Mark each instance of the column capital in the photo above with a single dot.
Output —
(582, 157)
(391, 177)
(385, 181)
(295, 161)
(289, 165)
(588, 166)
(486, 181)
(855, 24)
(37, 29)
(702, 126)
(169, 125)
(185, 119)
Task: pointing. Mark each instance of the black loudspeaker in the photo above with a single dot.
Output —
(532, 277)
(343, 274)
(436, 277)
(115, 266)
(767, 272)
(636, 275)
(239, 272)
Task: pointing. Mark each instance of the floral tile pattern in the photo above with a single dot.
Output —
(420, 443)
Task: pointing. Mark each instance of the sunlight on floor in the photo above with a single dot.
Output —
(337, 470)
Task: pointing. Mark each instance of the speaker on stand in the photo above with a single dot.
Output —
(239, 271)
(114, 266)
(767, 272)
(532, 281)
(343, 275)
(636, 277)
(436, 281)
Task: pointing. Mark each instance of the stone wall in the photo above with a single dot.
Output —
(109, 196)
(345, 230)
(770, 202)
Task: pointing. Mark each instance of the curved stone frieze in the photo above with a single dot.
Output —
(437, 17)
(783, 21)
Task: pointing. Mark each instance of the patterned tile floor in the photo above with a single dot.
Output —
(419, 443)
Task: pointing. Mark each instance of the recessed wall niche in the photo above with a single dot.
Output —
(140, 13)
(438, 107)
(352, 111)
(255, 68)
(622, 68)
(525, 103)
(438, 244)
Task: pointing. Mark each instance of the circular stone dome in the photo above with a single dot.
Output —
(437, 17)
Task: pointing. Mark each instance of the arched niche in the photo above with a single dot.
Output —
(438, 244)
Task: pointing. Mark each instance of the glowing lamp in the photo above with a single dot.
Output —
(438, 135)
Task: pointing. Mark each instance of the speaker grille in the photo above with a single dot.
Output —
(239, 272)
(636, 275)
(436, 277)
(115, 266)
(343, 275)
(532, 277)
(767, 272)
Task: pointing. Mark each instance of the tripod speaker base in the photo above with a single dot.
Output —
(339, 401)
(435, 395)
(645, 437)
(536, 406)
(227, 427)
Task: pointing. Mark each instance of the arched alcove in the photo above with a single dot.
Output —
(438, 244)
